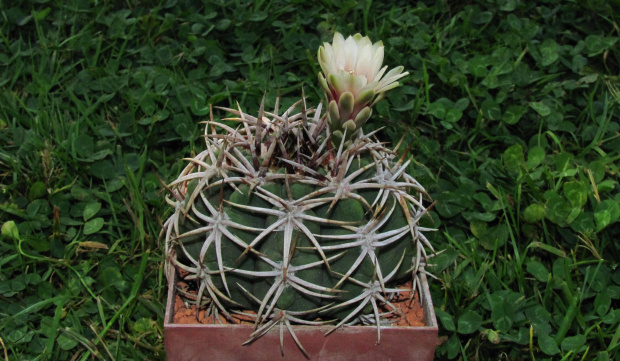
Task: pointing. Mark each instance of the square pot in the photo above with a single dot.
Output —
(185, 342)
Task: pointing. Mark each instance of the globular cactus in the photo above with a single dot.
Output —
(279, 216)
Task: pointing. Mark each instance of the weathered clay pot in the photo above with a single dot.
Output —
(185, 342)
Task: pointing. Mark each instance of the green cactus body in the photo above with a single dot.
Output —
(292, 223)
(300, 215)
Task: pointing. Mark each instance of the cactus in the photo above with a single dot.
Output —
(300, 215)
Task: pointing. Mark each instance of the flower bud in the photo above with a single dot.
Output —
(353, 81)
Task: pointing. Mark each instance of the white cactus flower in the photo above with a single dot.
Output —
(354, 80)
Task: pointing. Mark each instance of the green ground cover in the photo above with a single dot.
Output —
(512, 109)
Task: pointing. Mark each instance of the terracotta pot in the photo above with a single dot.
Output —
(185, 342)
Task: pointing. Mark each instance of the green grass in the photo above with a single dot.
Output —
(512, 108)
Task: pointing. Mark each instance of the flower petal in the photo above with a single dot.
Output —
(333, 115)
(323, 83)
(364, 97)
(345, 104)
(349, 125)
(336, 81)
(363, 116)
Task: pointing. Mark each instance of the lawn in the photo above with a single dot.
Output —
(511, 107)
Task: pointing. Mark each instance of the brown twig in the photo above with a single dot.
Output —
(6, 356)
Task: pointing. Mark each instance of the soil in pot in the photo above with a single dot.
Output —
(410, 312)
(413, 336)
